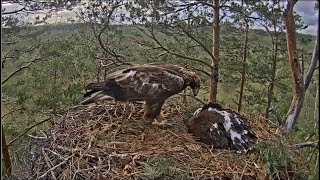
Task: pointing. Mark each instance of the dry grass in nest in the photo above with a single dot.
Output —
(111, 141)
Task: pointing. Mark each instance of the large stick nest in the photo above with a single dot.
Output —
(111, 141)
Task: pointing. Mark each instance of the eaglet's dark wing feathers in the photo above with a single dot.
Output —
(222, 128)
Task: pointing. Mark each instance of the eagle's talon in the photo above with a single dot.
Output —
(162, 123)
(159, 122)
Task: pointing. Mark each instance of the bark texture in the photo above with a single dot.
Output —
(5, 153)
(215, 51)
(298, 95)
(243, 72)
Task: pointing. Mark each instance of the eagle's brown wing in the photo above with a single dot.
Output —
(149, 80)
(138, 83)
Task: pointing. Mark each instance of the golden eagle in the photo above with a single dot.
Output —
(222, 128)
(152, 83)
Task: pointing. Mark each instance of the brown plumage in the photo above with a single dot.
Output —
(222, 128)
(152, 83)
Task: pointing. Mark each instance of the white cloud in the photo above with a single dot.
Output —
(304, 8)
(309, 16)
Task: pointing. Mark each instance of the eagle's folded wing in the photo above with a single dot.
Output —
(150, 80)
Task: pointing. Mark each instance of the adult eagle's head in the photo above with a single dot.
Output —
(152, 83)
(194, 83)
(190, 77)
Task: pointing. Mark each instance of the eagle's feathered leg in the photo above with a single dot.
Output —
(152, 112)
(160, 120)
(146, 109)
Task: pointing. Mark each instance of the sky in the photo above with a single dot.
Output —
(305, 8)
(309, 15)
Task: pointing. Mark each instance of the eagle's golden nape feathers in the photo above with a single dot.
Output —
(97, 96)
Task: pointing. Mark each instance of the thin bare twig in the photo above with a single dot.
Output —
(49, 163)
(20, 69)
(196, 40)
(183, 94)
(313, 64)
(153, 37)
(56, 166)
(28, 129)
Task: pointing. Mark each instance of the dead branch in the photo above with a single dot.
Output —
(101, 43)
(11, 111)
(56, 166)
(28, 129)
(202, 71)
(199, 100)
(154, 38)
(306, 144)
(190, 58)
(313, 64)
(189, 34)
(98, 36)
(20, 69)
(49, 164)
(15, 11)
(9, 42)
(5, 58)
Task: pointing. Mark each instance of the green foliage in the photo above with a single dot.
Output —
(162, 168)
(274, 154)
(279, 159)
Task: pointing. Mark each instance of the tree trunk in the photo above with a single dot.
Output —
(243, 72)
(273, 76)
(215, 51)
(316, 109)
(269, 99)
(5, 153)
(298, 95)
